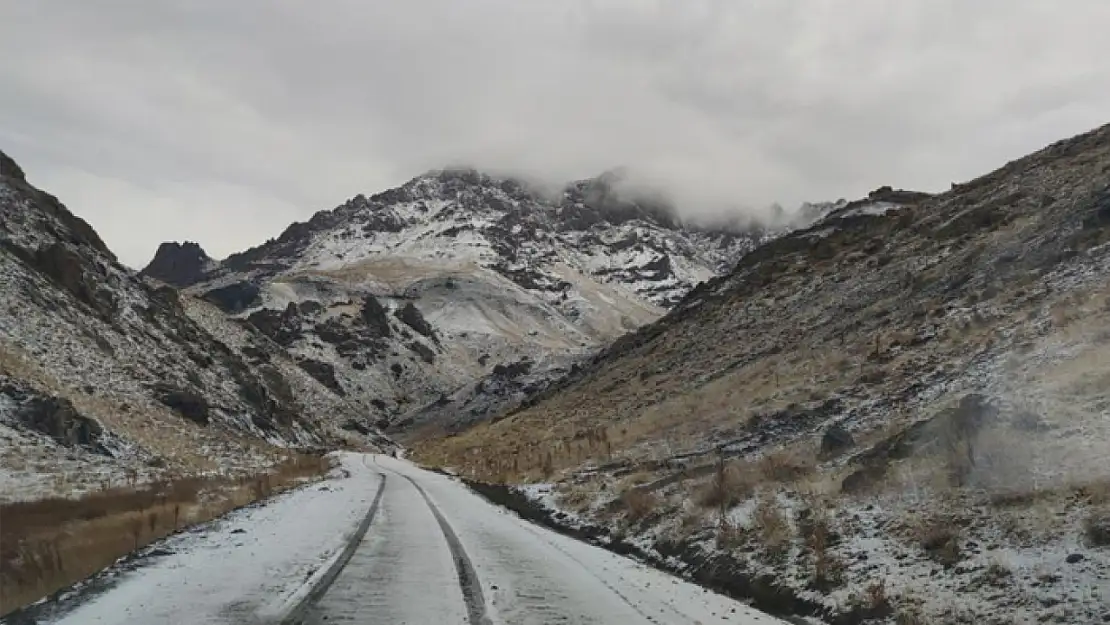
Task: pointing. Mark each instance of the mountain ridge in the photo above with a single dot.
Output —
(476, 260)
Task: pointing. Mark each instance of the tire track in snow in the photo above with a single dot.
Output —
(297, 614)
(468, 577)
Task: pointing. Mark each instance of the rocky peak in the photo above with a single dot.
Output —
(9, 168)
(179, 264)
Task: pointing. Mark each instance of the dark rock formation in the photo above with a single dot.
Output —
(410, 315)
(324, 374)
(179, 264)
(234, 298)
(55, 417)
(375, 317)
(188, 404)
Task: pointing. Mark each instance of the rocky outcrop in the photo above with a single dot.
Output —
(234, 298)
(410, 315)
(324, 374)
(55, 417)
(179, 264)
(9, 168)
(375, 317)
(186, 403)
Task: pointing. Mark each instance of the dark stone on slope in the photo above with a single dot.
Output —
(426, 354)
(411, 316)
(374, 316)
(179, 264)
(234, 298)
(186, 403)
(283, 327)
(835, 440)
(55, 417)
(324, 373)
(512, 369)
(68, 269)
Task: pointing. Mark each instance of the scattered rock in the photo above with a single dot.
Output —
(1075, 558)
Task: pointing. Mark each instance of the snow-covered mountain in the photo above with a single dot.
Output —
(102, 374)
(408, 297)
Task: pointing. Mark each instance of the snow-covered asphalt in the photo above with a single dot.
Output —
(408, 571)
(435, 553)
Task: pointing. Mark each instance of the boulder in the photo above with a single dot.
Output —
(836, 440)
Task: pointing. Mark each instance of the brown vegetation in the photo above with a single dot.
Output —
(772, 526)
(639, 504)
(48, 544)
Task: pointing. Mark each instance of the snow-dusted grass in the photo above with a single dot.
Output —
(49, 543)
(239, 568)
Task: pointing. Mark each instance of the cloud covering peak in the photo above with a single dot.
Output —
(224, 121)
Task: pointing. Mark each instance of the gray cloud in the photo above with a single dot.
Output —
(224, 121)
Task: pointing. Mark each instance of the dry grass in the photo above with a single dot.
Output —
(639, 504)
(814, 527)
(875, 597)
(771, 525)
(49, 544)
(939, 538)
(727, 488)
(787, 465)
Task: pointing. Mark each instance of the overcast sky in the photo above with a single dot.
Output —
(223, 121)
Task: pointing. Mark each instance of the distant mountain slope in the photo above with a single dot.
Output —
(907, 398)
(102, 374)
(405, 299)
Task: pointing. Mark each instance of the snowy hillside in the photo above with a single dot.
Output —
(404, 301)
(104, 376)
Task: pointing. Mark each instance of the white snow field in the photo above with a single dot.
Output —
(435, 553)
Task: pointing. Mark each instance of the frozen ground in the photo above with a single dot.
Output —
(435, 553)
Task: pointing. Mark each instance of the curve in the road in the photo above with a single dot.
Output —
(468, 577)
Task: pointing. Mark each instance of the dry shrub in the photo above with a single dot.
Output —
(786, 466)
(814, 527)
(772, 526)
(875, 597)
(727, 488)
(48, 544)
(639, 504)
(940, 539)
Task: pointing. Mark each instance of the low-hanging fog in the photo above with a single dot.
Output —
(222, 122)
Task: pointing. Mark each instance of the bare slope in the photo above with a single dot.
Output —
(921, 375)
(104, 378)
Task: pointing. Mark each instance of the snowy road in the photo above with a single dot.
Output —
(434, 553)
(438, 553)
